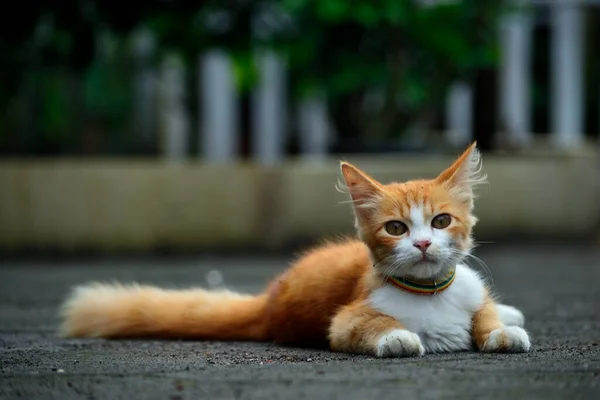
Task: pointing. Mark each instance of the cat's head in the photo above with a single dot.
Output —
(419, 228)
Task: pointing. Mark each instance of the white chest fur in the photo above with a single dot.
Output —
(442, 321)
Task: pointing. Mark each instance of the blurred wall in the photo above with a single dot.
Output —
(146, 205)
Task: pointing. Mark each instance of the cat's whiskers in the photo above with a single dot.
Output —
(391, 269)
(383, 266)
(466, 256)
(390, 265)
(485, 268)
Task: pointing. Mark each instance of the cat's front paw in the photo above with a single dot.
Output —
(510, 339)
(400, 343)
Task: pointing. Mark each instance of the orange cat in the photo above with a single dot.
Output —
(401, 290)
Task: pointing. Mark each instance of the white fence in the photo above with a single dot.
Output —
(566, 85)
(219, 114)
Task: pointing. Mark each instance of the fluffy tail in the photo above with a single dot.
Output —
(130, 311)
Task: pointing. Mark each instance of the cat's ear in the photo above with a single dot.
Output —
(464, 174)
(363, 189)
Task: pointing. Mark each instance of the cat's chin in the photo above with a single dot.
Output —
(424, 270)
(434, 267)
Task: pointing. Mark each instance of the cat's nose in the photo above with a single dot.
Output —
(422, 245)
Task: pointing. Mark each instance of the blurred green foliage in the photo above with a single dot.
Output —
(384, 64)
(401, 53)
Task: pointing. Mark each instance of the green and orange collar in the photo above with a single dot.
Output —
(423, 287)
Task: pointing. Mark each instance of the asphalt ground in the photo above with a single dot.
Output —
(556, 286)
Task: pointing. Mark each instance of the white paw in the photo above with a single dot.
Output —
(510, 339)
(400, 343)
(510, 316)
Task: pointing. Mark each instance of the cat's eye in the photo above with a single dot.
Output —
(395, 228)
(441, 221)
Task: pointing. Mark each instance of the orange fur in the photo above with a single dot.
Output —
(485, 321)
(115, 310)
(320, 300)
(358, 328)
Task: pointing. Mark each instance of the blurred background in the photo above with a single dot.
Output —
(186, 126)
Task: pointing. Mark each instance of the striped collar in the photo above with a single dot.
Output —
(423, 287)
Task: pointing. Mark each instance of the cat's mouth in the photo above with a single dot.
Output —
(425, 259)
